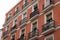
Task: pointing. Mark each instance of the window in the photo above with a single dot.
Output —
(32, 8)
(34, 25)
(47, 2)
(14, 22)
(23, 31)
(49, 17)
(25, 1)
(22, 34)
(16, 10)
(24, 15)
(35, 7)
(50, 37)
(7, 28)
(9, 16)
(13, 37)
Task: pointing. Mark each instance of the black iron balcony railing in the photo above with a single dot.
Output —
(35, 12)
(51, 2)
(25, 5)
(5, 33)
(14, 27)
(48, 25)
(23, 21)
(33, 34)
(21, 38)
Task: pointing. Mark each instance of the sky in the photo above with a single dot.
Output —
(5, 6)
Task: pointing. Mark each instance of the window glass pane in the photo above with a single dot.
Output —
(35, 7)
(13, 37)
(22, 32)
(34, 26)
(16, 9)
(49, 17)
(24, 15)
(47, 2)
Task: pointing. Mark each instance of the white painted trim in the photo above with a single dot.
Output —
(28, 22)
(47, 14)
(41, 36)
(48, 31)
(52, 35)
(57, 3)
(32, 8)
(44, 3)
(33, 22)
(57, 27)
(23, 2)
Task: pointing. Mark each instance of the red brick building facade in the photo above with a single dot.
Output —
(33, 20)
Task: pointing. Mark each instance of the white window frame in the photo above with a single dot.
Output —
(23, 15)
(21, 31)
(16, 9)
(34, 22)
(52, 35)
(9, 14)
(47, 14)
(14, 22)
(45, 3)
(23, 2)
(6, 28)
(12, 35)
(32, 8)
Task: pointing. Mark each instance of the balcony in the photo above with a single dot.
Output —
(34, 14)
(33, 34)
(13, 29)
(23, 21)
(5, 33)
(48, 7)
(48, 28)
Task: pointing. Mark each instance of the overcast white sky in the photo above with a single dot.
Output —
(5, 6)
